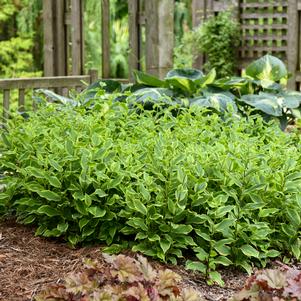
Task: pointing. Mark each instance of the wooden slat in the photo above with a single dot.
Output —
(21, 100)
(77, 37)
(60, 39)
(93, 75)
(293, 32)
(264, 48)
(263, 15)
(105, 38)
(265, 38)
(159, 36)
(48, 27)
(264, 5)
(44, 82)
(134, 39)
(264, 26)
(6, 98)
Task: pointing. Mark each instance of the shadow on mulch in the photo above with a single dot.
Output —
(29, 263)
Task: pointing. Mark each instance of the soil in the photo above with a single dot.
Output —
(29, 263)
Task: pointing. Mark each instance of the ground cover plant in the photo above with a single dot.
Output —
(194, 188)
(272, 285)
(122, 278)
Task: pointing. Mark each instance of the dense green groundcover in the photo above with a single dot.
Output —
(216, 191)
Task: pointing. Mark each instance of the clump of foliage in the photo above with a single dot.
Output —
(122, 278)
(218, 39)
(272, 285)
(223, 191)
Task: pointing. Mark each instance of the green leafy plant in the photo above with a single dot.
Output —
(122, 278)
(280, 284)
(218, 39)
(223, 191)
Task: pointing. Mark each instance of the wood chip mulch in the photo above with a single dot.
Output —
(29, 263)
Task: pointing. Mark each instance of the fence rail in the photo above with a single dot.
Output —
(62, 83)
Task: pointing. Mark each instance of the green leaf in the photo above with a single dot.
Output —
(54, 181)
(148, 80)
(165, 245)
(96, 211)
(265, 102)
(219, 102)
(100, 193)
(137, 223)
(267, 67)
(139, 206)
(296, 248)
(83, 222)
(96, 139)
(196, 266)
(49, 195)
(223, 261)
(62, 227)
(48, 210)
(216, 278)
(80, 206)
(181, 229)
(249, 251)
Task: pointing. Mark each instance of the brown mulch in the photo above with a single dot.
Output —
(29, 263)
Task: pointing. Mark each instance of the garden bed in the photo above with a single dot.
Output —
(29, 263)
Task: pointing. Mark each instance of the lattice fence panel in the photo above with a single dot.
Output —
(264, 26)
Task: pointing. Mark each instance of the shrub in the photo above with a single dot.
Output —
(224, 191)
(219, 39)
(122, 278)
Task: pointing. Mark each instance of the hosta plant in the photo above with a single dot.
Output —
(272, 285)
(121, 278)
(261, 89)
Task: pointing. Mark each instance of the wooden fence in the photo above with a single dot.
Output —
(63, 83)
(267, 26)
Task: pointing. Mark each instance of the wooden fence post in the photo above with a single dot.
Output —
(48, 21)
(292, 47)
(159, 36)
(55, 61)
(134, 39)
(77, 37)
(198, 10)
(105, 38)
(60, 39)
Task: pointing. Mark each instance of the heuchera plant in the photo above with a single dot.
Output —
(121, 278)
(272, 285)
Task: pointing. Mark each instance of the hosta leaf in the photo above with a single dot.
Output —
(49, 195)
(216, 277)
(165, 245)
(62, 227)
(54, 181)
(217, 101)
(137, 223)
(267, 67)
(139, 206)
(222, 260)
(181, 229)
(267, 103)
(83, 222)
(96, 211)
(148, 80)
(249, 251)
(48, 210)
(196, 266)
